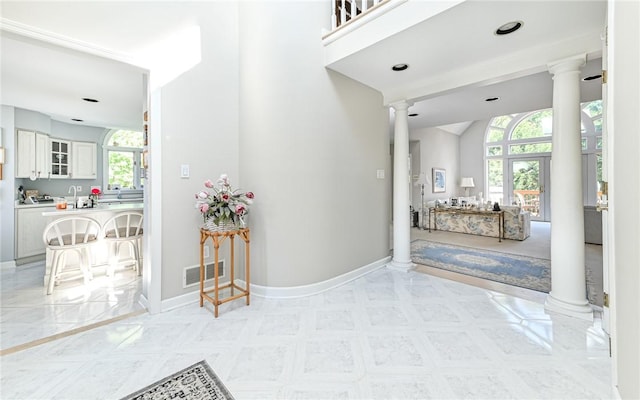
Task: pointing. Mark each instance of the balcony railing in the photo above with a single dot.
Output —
(345, 11)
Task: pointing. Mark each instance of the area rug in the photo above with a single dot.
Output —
(511, 269)
(197, 382)
(526, 272)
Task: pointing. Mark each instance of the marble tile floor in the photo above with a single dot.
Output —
(28, 314)
(386, 335)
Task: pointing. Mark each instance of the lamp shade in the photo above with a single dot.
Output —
(422, 180)
(467, 183)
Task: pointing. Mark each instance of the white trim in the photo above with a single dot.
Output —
(144, 302)
(283, 292)
(64, 41)
(186, 299)
(7, 265)
(319, 287)
(379, 10)
(152, 282)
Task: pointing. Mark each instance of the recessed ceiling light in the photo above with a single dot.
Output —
(509, 27)
(90, 100)
(492, 99)
(413, 115)
(592, 77)
(400, 67)
(76, 120)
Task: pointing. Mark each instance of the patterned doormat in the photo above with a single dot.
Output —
(197, 382)
(511, 269)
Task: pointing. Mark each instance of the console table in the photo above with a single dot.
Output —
(499, 215)
(218, 238)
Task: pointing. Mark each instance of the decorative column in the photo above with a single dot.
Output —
(401, 214)
(568, 292)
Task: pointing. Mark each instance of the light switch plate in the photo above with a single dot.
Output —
(380, 174)
(184, 171)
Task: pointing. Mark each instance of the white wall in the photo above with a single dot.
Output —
(311, 142)
(624, 99)
(471, 155)
(7, 186)
(439, 149)
(199, 128)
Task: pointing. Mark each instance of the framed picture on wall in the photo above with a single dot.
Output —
(439, 180)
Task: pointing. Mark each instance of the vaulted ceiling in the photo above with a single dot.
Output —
(440, 52)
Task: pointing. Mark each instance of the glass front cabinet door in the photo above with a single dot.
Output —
(60, 167)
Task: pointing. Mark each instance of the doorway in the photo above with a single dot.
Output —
(528, 185)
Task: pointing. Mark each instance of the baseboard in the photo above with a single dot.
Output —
(319, 287)
(144, 302)
(283, 292)
(30, 259)
(7, 265)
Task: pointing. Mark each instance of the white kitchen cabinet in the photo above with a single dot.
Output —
(30, 225)
(84, 160)
(60, 151)
(32, 154)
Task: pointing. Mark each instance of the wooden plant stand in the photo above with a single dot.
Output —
(218, 238)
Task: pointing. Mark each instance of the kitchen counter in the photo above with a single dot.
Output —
(123, 200)
(50, 204)
(99, 209)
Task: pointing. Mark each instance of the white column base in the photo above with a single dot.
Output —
(402, 266)
(582, 310)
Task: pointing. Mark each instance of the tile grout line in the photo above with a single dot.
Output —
(68, 333)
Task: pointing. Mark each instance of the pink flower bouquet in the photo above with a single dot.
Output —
(221, 203)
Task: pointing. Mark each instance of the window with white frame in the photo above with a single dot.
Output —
(122, 161)
(514, 136)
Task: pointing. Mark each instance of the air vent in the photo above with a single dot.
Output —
(191, 275)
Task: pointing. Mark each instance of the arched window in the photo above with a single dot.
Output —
(512, 141)
(122, 160)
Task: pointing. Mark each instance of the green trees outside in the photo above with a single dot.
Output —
(122, 158)
(121, 168)
(526, 175)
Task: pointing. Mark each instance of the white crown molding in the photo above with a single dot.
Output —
(64, 41)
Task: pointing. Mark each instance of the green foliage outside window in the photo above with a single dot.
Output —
(124, 148)
(121, 168)
(495, 135)
(526, 175)
(593, 108)
(531, 127)
(124, 138)
(502, 121)
(494, 150)
(528, 148)
(495, 173)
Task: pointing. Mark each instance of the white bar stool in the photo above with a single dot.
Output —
(123, 228)
(66, 234)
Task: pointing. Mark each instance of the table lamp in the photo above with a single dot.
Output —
(467, 183)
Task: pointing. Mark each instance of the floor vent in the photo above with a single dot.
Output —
(191, 275)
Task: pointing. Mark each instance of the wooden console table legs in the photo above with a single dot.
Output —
(218, 238)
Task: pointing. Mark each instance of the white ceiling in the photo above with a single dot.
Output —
(440, 52)
(54, 80)
(456, 61)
